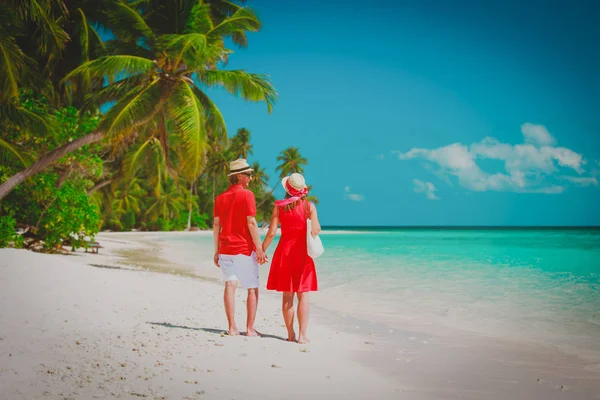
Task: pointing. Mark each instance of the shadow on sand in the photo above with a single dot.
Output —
(209, 330)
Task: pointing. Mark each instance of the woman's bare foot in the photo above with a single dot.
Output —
(303, 340)
(253, 332)
(233, 332)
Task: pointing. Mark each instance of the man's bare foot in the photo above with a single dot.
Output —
(291, 337)
(233, 332)
(253, 332)
(303, 340)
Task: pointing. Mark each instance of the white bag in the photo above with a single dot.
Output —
(313, 243)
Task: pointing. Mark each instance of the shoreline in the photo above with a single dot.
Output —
(395, 350)
(405, 362)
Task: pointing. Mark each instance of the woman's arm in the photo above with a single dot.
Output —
(314, 221)
(272, 229)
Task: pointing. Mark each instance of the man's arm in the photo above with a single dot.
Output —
(253, 227)
(216, 232)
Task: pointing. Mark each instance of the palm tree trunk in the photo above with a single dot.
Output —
(214, 188)
(189, 222)
(47, 160)
(267, 196)
(98, 186)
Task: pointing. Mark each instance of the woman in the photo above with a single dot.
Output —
(292, 269)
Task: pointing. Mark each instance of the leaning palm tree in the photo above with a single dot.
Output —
(158, 76)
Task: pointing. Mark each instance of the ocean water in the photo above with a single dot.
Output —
(539, 285)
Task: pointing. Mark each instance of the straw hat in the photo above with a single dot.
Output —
(238, 166)
(295, 180)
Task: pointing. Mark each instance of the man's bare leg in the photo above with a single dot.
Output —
(229, 299)
(287, 309)
(251, 306)
(303, 316)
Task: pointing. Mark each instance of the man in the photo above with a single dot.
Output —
(238, 249)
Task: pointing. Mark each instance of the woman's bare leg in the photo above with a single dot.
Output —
(287, 309)
(303, 309)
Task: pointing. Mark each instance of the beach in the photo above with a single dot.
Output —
(135, 321)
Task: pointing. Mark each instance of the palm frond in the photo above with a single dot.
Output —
(117, 90)
(243, 20)
(252, 87)
(214, 119)
(12, 64)
(28, 120)
(113, 67)
(192, 45)
(135, 159)
(200, 20)
(51, 34)
(187, 112)
(128, 24)
(8, 153)
(133, 110)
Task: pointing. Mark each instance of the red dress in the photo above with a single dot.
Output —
(292, 269)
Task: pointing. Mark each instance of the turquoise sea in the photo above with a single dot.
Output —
(527, 284)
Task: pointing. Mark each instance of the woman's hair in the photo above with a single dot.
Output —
(234, 179)
(291, 206)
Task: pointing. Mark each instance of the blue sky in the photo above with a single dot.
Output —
(432, 112)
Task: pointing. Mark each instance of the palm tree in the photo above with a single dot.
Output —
(157, 75)
(127, 197)
(168, 204)
(290, 161)
(260, 179)
(217, 167)
(314, 199)
(240, 143)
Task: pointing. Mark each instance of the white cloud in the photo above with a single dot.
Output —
(537, 135)
(582, 181)
(425, 187)
(528, 166)
(380, 156)
(352, 196)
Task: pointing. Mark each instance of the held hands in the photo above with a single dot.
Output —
(261, 256)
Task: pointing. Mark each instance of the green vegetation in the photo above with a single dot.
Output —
(121, 133)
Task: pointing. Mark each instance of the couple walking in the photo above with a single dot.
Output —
(239, 251)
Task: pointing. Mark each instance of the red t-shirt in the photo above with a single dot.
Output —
(233, 207)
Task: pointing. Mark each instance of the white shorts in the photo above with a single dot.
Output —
(240, 268)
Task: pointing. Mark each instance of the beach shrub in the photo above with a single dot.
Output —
(161, 224)
(71, 212)
(200, 221)
(8, 232)
(128, 220)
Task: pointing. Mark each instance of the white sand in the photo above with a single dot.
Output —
(69, 330)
